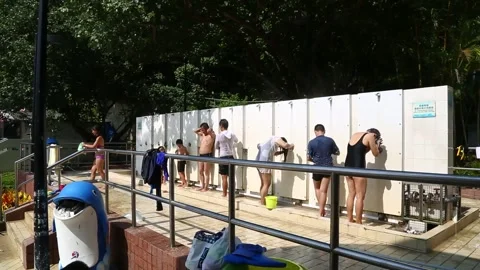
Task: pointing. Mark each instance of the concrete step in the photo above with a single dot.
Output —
(18, 231)
(30, 217)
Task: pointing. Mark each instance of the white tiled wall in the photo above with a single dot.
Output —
(427, 140)
(414, 144)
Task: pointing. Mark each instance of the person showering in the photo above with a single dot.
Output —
(320, 151)
(359, 145)
(207, 144)
(225, 145)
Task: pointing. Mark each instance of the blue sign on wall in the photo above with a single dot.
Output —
(424, 109)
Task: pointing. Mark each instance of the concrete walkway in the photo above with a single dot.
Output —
(461, 251)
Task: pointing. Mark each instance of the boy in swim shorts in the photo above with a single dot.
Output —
(181, 164)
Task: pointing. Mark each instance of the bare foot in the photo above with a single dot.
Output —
(224, 195)
(205, 189)
(323, 213)
(199, 189)
(352, 221)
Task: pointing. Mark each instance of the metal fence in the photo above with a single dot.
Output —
(333, 248)
(80, 161)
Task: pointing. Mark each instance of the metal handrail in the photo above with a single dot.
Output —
(333, 247)
(25, 158)
(49, 168)
(406, 176)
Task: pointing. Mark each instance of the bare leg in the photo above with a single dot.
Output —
(350, 198)
(93, 172)
(261, 182)
(207, 167)
(201, 169)
(100, 164)
(266, 182)
(361, 189)
(224, 185)
(321, 188)
(182, 179)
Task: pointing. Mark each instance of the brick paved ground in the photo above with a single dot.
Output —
(461, 251)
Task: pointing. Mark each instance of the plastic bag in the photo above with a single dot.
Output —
(214, 259)
(202, 242)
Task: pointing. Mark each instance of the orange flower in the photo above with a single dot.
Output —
(8, 198)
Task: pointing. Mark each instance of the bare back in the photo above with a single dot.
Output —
(206, 144)
(365, 140)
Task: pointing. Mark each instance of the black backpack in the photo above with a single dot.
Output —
(149, 166)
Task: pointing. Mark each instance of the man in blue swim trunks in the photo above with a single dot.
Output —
(320, 151)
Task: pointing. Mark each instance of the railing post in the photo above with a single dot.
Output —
(171, 196)
(334, 220)
(231, 206)
(107, 179)
(1, 200)
(15, 184)
(132, 194)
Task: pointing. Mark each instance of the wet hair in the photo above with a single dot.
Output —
(375, 131)
(320, 127)
(98, 129)
(223, 123)
(284, 150)
(179, 141)
(204, 125)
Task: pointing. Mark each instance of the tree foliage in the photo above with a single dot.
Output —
(165, 56)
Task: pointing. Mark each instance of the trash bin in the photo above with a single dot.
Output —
(81, 224)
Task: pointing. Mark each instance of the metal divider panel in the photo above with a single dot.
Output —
(143, 139)
(334, 113)
(211, 117)
(234, 116)
(174, 127)
(291, 123)
(190, 140)
(259, 127)
(159, 130)
(383, 111)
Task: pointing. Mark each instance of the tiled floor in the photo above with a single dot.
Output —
(8, 258)
(461, 251)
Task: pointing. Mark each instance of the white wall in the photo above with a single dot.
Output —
(411, 144)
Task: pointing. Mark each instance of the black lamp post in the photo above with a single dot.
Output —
(41, 254)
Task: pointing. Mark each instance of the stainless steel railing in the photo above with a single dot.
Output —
(333, 247)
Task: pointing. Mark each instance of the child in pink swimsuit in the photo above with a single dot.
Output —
(99, 163)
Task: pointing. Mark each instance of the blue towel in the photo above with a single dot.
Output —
(252, 255)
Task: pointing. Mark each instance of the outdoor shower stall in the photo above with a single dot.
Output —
(416, 126)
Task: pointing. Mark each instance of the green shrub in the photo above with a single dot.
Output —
(8, 179)
(470, 161)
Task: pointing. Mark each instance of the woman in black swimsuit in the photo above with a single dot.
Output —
(360, 144)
